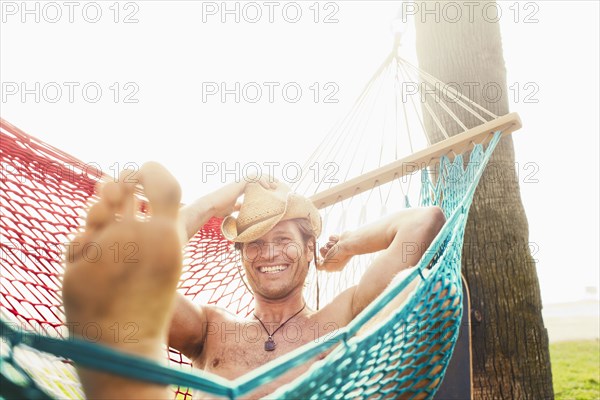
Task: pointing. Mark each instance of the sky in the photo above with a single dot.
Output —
(123, 83)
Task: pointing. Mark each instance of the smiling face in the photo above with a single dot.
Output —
(276, 265)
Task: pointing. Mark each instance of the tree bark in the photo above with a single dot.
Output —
(510, 343)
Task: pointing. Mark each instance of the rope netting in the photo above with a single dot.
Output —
(390, 348)
(401, 111)
(398, 346)
(45, 194)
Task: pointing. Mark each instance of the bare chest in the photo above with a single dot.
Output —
(235, 348)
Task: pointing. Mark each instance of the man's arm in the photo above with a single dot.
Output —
(189, 323)
(219, 203)
(403, 238)
(187, 331)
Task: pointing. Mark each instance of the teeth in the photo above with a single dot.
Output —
(272, 269)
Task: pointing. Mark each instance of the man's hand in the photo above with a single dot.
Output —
(219, 203)
(224, 201)
(335, 255)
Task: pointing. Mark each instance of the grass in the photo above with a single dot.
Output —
(576, 370)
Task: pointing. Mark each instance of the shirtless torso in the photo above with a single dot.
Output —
(233, 346)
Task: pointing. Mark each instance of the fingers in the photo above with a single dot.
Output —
(328, 265)
(323, 251)
(327, 261)
(334, 255)
(333, 240)
(267, 182)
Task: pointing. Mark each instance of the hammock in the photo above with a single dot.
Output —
(401, 352)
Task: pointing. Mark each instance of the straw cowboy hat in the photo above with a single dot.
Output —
(262, 209)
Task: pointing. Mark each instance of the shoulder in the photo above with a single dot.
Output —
(219, 314)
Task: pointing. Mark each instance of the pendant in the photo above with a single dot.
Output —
(269, 344)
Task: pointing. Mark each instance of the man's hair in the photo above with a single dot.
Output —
(304, 227)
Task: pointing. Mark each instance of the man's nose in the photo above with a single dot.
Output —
(269, 251)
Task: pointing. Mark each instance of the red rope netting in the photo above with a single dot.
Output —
(44, 195)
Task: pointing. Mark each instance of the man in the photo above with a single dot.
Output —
(276, 233)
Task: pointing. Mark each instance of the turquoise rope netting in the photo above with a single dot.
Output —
(404, 354)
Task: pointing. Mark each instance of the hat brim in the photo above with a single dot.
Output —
(295, 207)
(229, 229)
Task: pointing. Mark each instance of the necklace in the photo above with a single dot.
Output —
(270, 344)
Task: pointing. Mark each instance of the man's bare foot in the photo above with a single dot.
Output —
(121, 274)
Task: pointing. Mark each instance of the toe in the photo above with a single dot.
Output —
(112, 194)
(126, 189)
(98, 216)
(161, 189)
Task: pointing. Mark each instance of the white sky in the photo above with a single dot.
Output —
(170, 52)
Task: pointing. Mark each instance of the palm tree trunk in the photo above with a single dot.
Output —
(510, 343)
